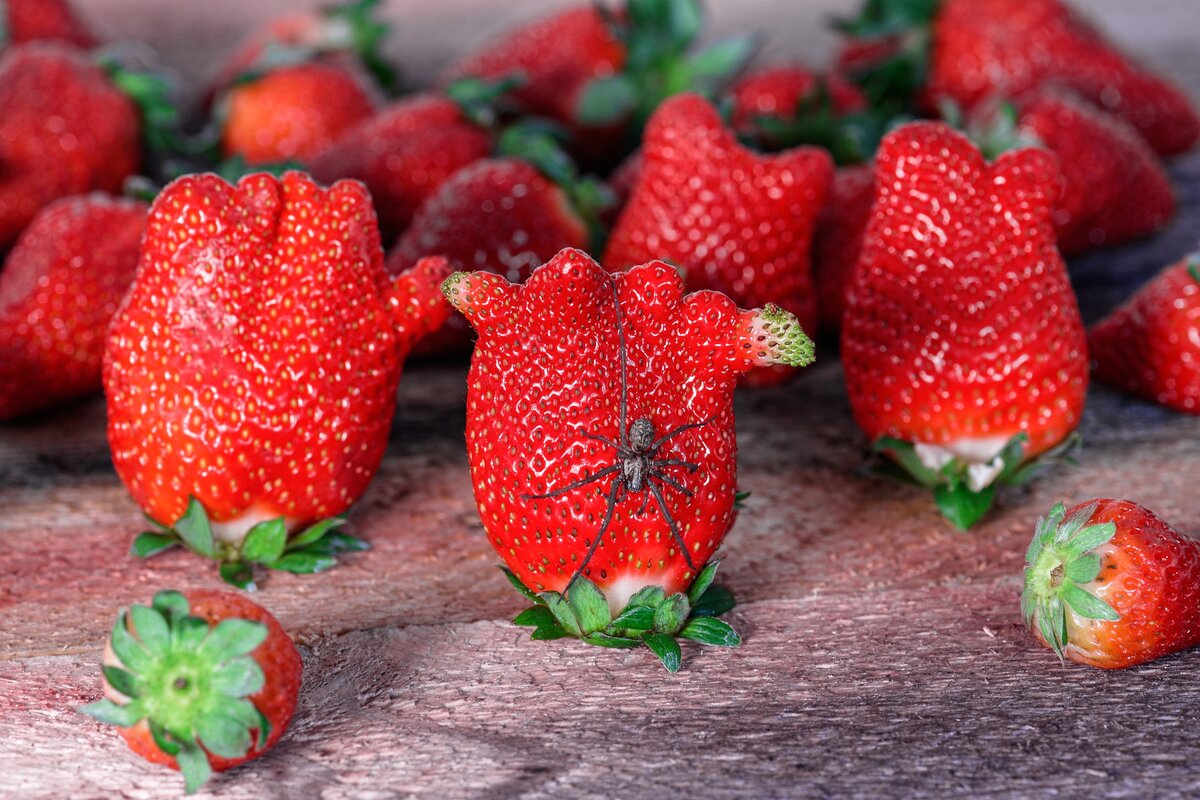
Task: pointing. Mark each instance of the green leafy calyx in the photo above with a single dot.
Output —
(1062, 559)
(651, 617)
(315, 549)
(189, 681)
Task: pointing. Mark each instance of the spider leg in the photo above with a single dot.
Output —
(645, 500)
(608, 513)
(675, 462)
(622, 355)
(677, 431)
(604, 439)
(572, 486)
(662, 504)
(674, 484)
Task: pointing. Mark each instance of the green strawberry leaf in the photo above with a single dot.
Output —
(562, 612)
(535, 617)
(151, 544)
(333, 543)
(1087, 604)
(123, 681)
(162, 738)
(707, 630)
(110, 713)
(589, 605)
(239, 574)
(265, 541)
(128, 649)
(302, 562)
(314, 532)
(646, 596)
(714, 602)
(703, 580)
(520, 587)
(636, 618)
(667, 650)
(223, 736)
(608, 640)
(548, 633)
(233, 637)
(193, 763)
(194, 529)
(961, 506)
(151, 628)
(671, 614)
(607, 101)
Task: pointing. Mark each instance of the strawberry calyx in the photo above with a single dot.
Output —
(964, 490)
(189, 681)
(995, 129)
(658, 37)
(161, 123)
(485, 102)
(1193, 267)
(899, 32)
(315, 549)
(1061, 560)
(650, 618)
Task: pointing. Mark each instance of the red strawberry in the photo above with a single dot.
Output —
(199, 682)
(962, 343)
(292, 112)
(33, 20)
(1111, 585)
(404, 153)
(601, 440)
(989, 48)
(780, 92)
(59, 289)
(254, 363)
(64, 130)
(1150, 346)
(839, 239)
(1114, 188)
(733, 220)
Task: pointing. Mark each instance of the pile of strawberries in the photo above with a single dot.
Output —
(599, 198)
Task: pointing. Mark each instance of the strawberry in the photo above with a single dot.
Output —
(39, 20)
(839, 239)
(1150, 346)
(403, 153)
(199, 682)
(293, 112)
(962, 343)
(1111, 585)
(65, 129)
(59, 289)
(251, 371)
(733, 220)
(970, 51)
(603, 72)
(601, 442)
(1114, 188)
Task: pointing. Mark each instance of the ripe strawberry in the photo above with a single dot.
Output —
(962, 343)
(601, 441)
(780, 91)
(404, 153)
(839, 239)
(1114, 188)
(1111, 585)
(293, 112)
(199, 682)
(971, 51)
(64, 130)
(38, 20)
(733, 220)
(251, 372)
(59, 289)
(1150, 346)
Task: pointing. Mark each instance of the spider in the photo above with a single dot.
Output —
(638, 466)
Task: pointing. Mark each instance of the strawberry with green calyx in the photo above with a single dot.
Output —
(199, 682)
(1109, 584)
(251, 372)
(24, 21)
(734, 220)
(600, 429)
(961, 331)
(1150, 346)
(151, 92)
(59, 289)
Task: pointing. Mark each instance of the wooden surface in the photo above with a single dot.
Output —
(883, 655)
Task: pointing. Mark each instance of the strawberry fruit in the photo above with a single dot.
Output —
(962, 343)
(601, 442)
(1150, 346)
(251, 372)
(59, 290)
(199, 682)
(1109, 584)
(41, 20)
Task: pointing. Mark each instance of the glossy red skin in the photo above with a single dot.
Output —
(1150, 346)
(778, 91)
(41, 20)
(961, 322)
(59, 289)
(1114, 187)
(558, 54)
(839, 239)
(1150, 575)
(255, 360)
(1003, 48)
(281, 666)
(546, 372)
(735, 221)
(64, 130)
(499, 215)
(292, 112)
(403, 153)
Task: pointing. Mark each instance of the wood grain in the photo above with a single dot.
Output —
(883, 657)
